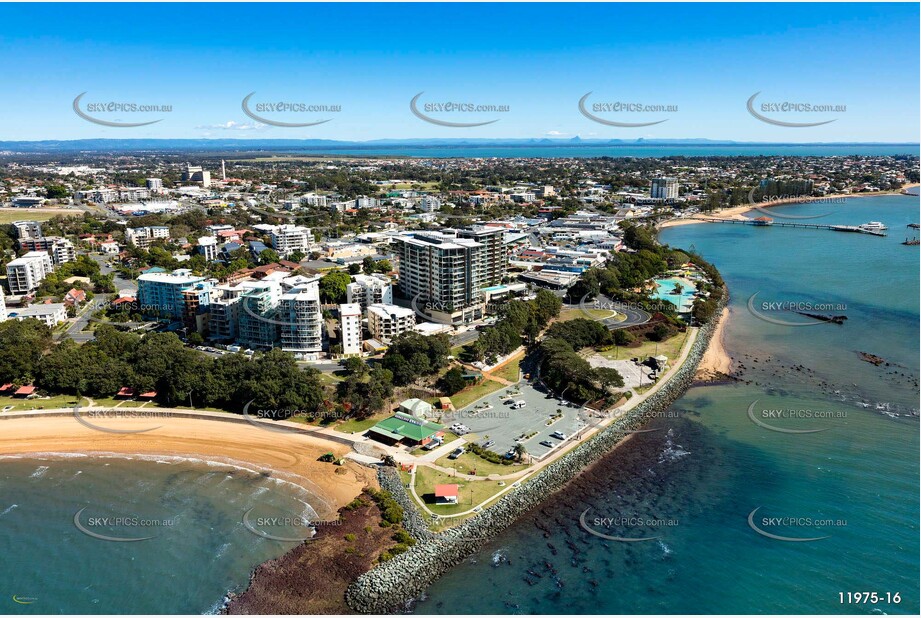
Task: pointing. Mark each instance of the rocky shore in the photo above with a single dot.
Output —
(312, 577)
(391, 585)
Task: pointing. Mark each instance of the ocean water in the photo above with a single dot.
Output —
(200, 548)
(626, 150)
(716, 456)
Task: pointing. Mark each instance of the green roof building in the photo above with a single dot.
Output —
(406, 428)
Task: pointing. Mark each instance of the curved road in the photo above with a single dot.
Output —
(634, 317)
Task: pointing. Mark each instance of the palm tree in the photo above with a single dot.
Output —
(520, 451)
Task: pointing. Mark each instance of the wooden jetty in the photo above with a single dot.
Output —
(765, 222)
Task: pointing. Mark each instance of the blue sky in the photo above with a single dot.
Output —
(537, 59)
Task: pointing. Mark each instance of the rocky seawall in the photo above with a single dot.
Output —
(390, 585)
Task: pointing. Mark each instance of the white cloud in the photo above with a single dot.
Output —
(556, 133)
(232, 125)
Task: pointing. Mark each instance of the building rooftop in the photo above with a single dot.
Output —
(349, 309)
(402, 425)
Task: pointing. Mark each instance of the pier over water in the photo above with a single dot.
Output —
(766, 222)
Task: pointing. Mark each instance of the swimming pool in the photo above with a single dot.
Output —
(665, 291)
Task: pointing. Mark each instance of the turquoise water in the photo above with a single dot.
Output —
(200, 548)
(665, 289)
(708, 465)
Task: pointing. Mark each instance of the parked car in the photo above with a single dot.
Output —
(456, 453)
(547, 443)
(559, 435)
(488, 443)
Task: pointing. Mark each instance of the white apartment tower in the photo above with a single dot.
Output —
(143, 236)
(443, 275)
(301, 322)
(25, 274)
(350, 328)
(288, 238)
(367, 290)
(207, 246)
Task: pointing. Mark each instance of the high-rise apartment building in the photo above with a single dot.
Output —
(59, 248)
(443, 275)
(178, 296)
(27, 229)
(664, 189)
(350, 328)
(301, 322)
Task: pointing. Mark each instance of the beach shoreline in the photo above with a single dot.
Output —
(738, 212)
(288, 457)
(716, 362)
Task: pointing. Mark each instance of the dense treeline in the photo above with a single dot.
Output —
(365, 390)
(563, 370)
(159, 362)
(520, 321)
(412, 356)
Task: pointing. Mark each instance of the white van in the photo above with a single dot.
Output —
(518, 404)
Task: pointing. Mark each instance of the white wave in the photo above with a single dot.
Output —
(666, 550)
(8, 509)
(39, 472)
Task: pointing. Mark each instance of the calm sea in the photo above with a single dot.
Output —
(691, 485)
(200, 548)
(632, 150)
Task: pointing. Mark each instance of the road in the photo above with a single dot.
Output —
(633, 315)
(464, 338)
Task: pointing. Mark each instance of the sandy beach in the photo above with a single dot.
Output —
(288, 456)
(716, 361)
(738, 212)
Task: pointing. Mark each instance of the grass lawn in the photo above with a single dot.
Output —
(356, 426)
(330, 378)
(111, 402)
(593, 314)
(509, 371)
(470, 394)
(8, 215)
(41, 403)
(468, 462)
(471, 493)
(671, 348)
